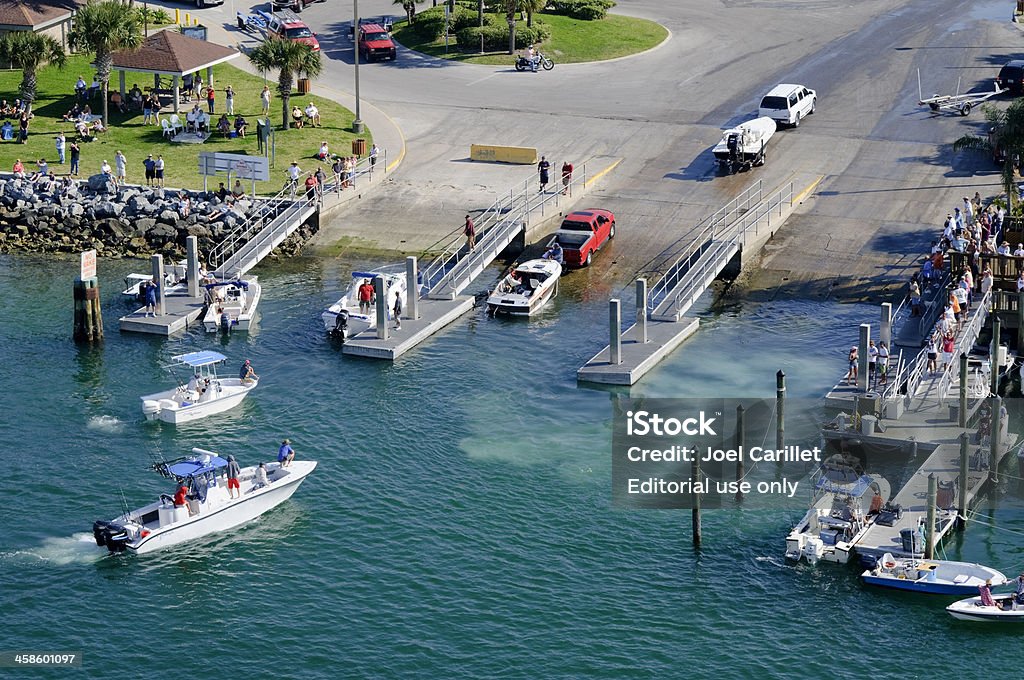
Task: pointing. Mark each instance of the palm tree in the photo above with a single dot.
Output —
(104, 27)
(410, 8)
(511, 7)
(30, 52)
(289, 58)
(531, 7)
(1006, 136)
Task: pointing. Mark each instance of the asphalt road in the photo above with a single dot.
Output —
(888, 172)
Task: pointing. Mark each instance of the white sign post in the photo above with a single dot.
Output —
(88, 265)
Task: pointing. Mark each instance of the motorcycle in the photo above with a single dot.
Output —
(523, 64)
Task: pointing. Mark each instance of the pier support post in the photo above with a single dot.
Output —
(615, 331)
(88, 317)
(993, 356)
(641, 311)
(381, 291)
(962, 415)
(695, 475)
(192, 265)
(995, 439)
(862, 357)
(157, 265)
(962, 487)
(780, 410)
(1020, 321)
(412, 293)
(740, 441)
(885, 327)
(929, 536)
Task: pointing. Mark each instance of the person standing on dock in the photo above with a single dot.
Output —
(883, 362)
(872, 361)
(150, 296)
(397, 311)
(851, 375)
(470, 231)
(365, 293)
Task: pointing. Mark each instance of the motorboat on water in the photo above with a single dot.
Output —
(845, 503)
(174, 276)
(743, 146)
(939, 577)
(203, 395)
(206, 508)
(231, 305)
(344, 319)
(526, 288)
(1003, 608)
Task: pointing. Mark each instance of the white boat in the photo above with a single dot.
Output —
(174, 276)
(209, 507)
(845, 503)
(526, 289)
(344, 319)
(231, 305)
(971, 609)
(939, 577)
(204, 395)
(743, 146)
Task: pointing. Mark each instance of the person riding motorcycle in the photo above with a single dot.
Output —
(532, 57)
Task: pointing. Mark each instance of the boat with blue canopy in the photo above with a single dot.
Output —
(347, 319)
(203, 502)
(202, 394)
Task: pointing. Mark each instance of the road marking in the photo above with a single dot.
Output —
(601, 174)
(480, 80)
(811, 187)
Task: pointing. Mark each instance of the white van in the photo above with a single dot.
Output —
(787, 104)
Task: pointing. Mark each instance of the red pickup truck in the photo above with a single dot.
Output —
(582, 233)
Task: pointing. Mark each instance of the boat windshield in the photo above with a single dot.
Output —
(777, 103)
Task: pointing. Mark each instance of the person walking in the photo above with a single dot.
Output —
(470, 231)
(265, 99)
(76, 155)
(566, 176)
(543, 168)
(229, 100)
(374, 152)
(121, 164)
(159, 169)
(61, 142)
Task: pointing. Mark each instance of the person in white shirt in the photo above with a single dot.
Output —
(1020, 250)
(313, 113)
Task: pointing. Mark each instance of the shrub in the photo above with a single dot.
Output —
(429, 24)
(496, 36)
(465, 18)
(588, 10)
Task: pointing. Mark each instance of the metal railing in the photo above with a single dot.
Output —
(686, 278)
(964, 342)
(447, 273)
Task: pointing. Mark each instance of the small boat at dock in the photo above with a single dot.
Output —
(231, 305)
(174, 276)
(344, 319)
(203, 395)
(846, 502)
(206, 508)
(937, 577)
(1003, 609)
(526, 289)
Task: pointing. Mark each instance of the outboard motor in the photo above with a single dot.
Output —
(225, 322)
(341, 325)
(112, 535)
(733, 144)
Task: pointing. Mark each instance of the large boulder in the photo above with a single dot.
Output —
(169, 217)
(162, 231)
(105, 209)
(102, 184)
(144, 224)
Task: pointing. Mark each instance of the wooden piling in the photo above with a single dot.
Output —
(961, 520)
(88, 325)
(929, 537)
(962, 411)
(780, 410)
(695, 476)
(740, 441)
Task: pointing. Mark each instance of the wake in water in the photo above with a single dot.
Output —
(109, 424)
(76, 549)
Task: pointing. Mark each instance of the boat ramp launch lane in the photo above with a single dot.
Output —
(433, 316)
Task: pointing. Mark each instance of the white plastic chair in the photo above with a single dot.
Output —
(176, 123)
(168, 130)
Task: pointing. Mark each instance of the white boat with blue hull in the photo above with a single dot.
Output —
(208, 507)
(937, 577)
(203, 395)
(846, 502)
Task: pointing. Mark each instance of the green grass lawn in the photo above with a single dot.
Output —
(55, 96)
(572, 40)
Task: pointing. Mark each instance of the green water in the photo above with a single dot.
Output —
(459, 523)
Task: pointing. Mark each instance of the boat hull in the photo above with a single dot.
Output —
(251, 505)
(519, 305)
(175, 414)
(971, 609)
(918, 586)
(933, 577)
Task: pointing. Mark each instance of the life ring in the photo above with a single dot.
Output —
(890, 565)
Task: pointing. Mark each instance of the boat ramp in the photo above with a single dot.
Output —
(723, 241)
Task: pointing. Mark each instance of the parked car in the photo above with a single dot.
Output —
(1011, 77)
(582, 234)
(375, 43)
(294, 5)
(787, 104)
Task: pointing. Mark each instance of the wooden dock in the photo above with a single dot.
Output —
(180, 311)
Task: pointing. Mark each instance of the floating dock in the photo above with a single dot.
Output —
(434, 316)
(180, 312)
